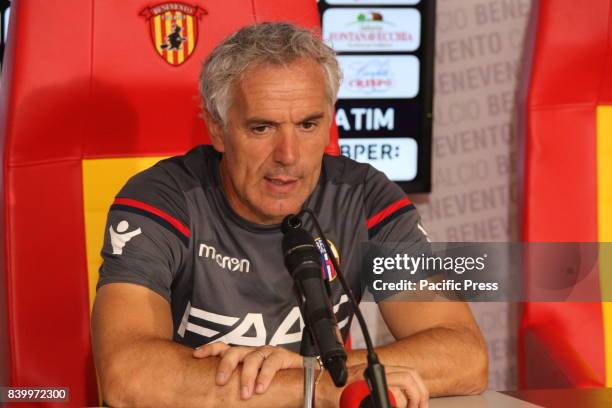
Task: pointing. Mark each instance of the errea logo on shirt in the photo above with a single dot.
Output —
(226, 262)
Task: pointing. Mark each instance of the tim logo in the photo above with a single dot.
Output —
(121, 236)
(225, 262)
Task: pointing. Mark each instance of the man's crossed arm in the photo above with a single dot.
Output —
(439, 351)
(139, 364)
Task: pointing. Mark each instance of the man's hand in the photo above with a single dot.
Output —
(407, 387)
(406, 384)
(259, 364)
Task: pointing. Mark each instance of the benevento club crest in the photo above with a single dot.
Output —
(174, 30)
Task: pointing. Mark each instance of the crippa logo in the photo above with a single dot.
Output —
(174, 30)
(369, 76)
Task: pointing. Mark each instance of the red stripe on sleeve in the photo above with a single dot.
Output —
(149, 208)
(387, 211)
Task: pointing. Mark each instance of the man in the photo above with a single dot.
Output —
(202, 263)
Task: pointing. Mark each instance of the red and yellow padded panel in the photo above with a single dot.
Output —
(567, 186)
(604, 221)
(102, 179)
(86, 101)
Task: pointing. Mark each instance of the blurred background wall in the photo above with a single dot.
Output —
(479, 46)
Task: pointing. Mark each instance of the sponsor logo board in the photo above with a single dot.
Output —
(396, 157)
(379, 77)
(366, 29)
(375, 2)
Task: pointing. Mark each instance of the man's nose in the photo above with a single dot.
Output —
(287, 151)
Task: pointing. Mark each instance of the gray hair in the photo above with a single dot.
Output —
(263, 43)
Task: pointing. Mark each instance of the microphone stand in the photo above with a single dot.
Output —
(309, 353)
(374, 373)
(308, 347)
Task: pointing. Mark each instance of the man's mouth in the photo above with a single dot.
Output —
(281, 184)
(281, 181)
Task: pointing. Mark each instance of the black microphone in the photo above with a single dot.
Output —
(374, 373)
(303, 261)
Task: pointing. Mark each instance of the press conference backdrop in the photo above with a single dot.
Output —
(384, 109)
(479, 46)
(478, 50)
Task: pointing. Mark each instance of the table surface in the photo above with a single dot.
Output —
(553, 398)
(488, 399)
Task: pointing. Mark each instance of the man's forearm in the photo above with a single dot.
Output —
(161, 373)
(451, 361)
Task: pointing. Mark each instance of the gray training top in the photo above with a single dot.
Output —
(171, 229)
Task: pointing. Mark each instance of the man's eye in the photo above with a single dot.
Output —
(259, 130)
(309, 125)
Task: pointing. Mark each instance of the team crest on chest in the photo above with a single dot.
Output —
(329, 272)
(174, 30)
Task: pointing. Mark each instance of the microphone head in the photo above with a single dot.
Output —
(337, 370)
(297, 238)
(290, 222)
(299, 248)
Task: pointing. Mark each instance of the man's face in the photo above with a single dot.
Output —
(273, 143)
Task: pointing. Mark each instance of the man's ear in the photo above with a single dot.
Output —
(215, 131)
